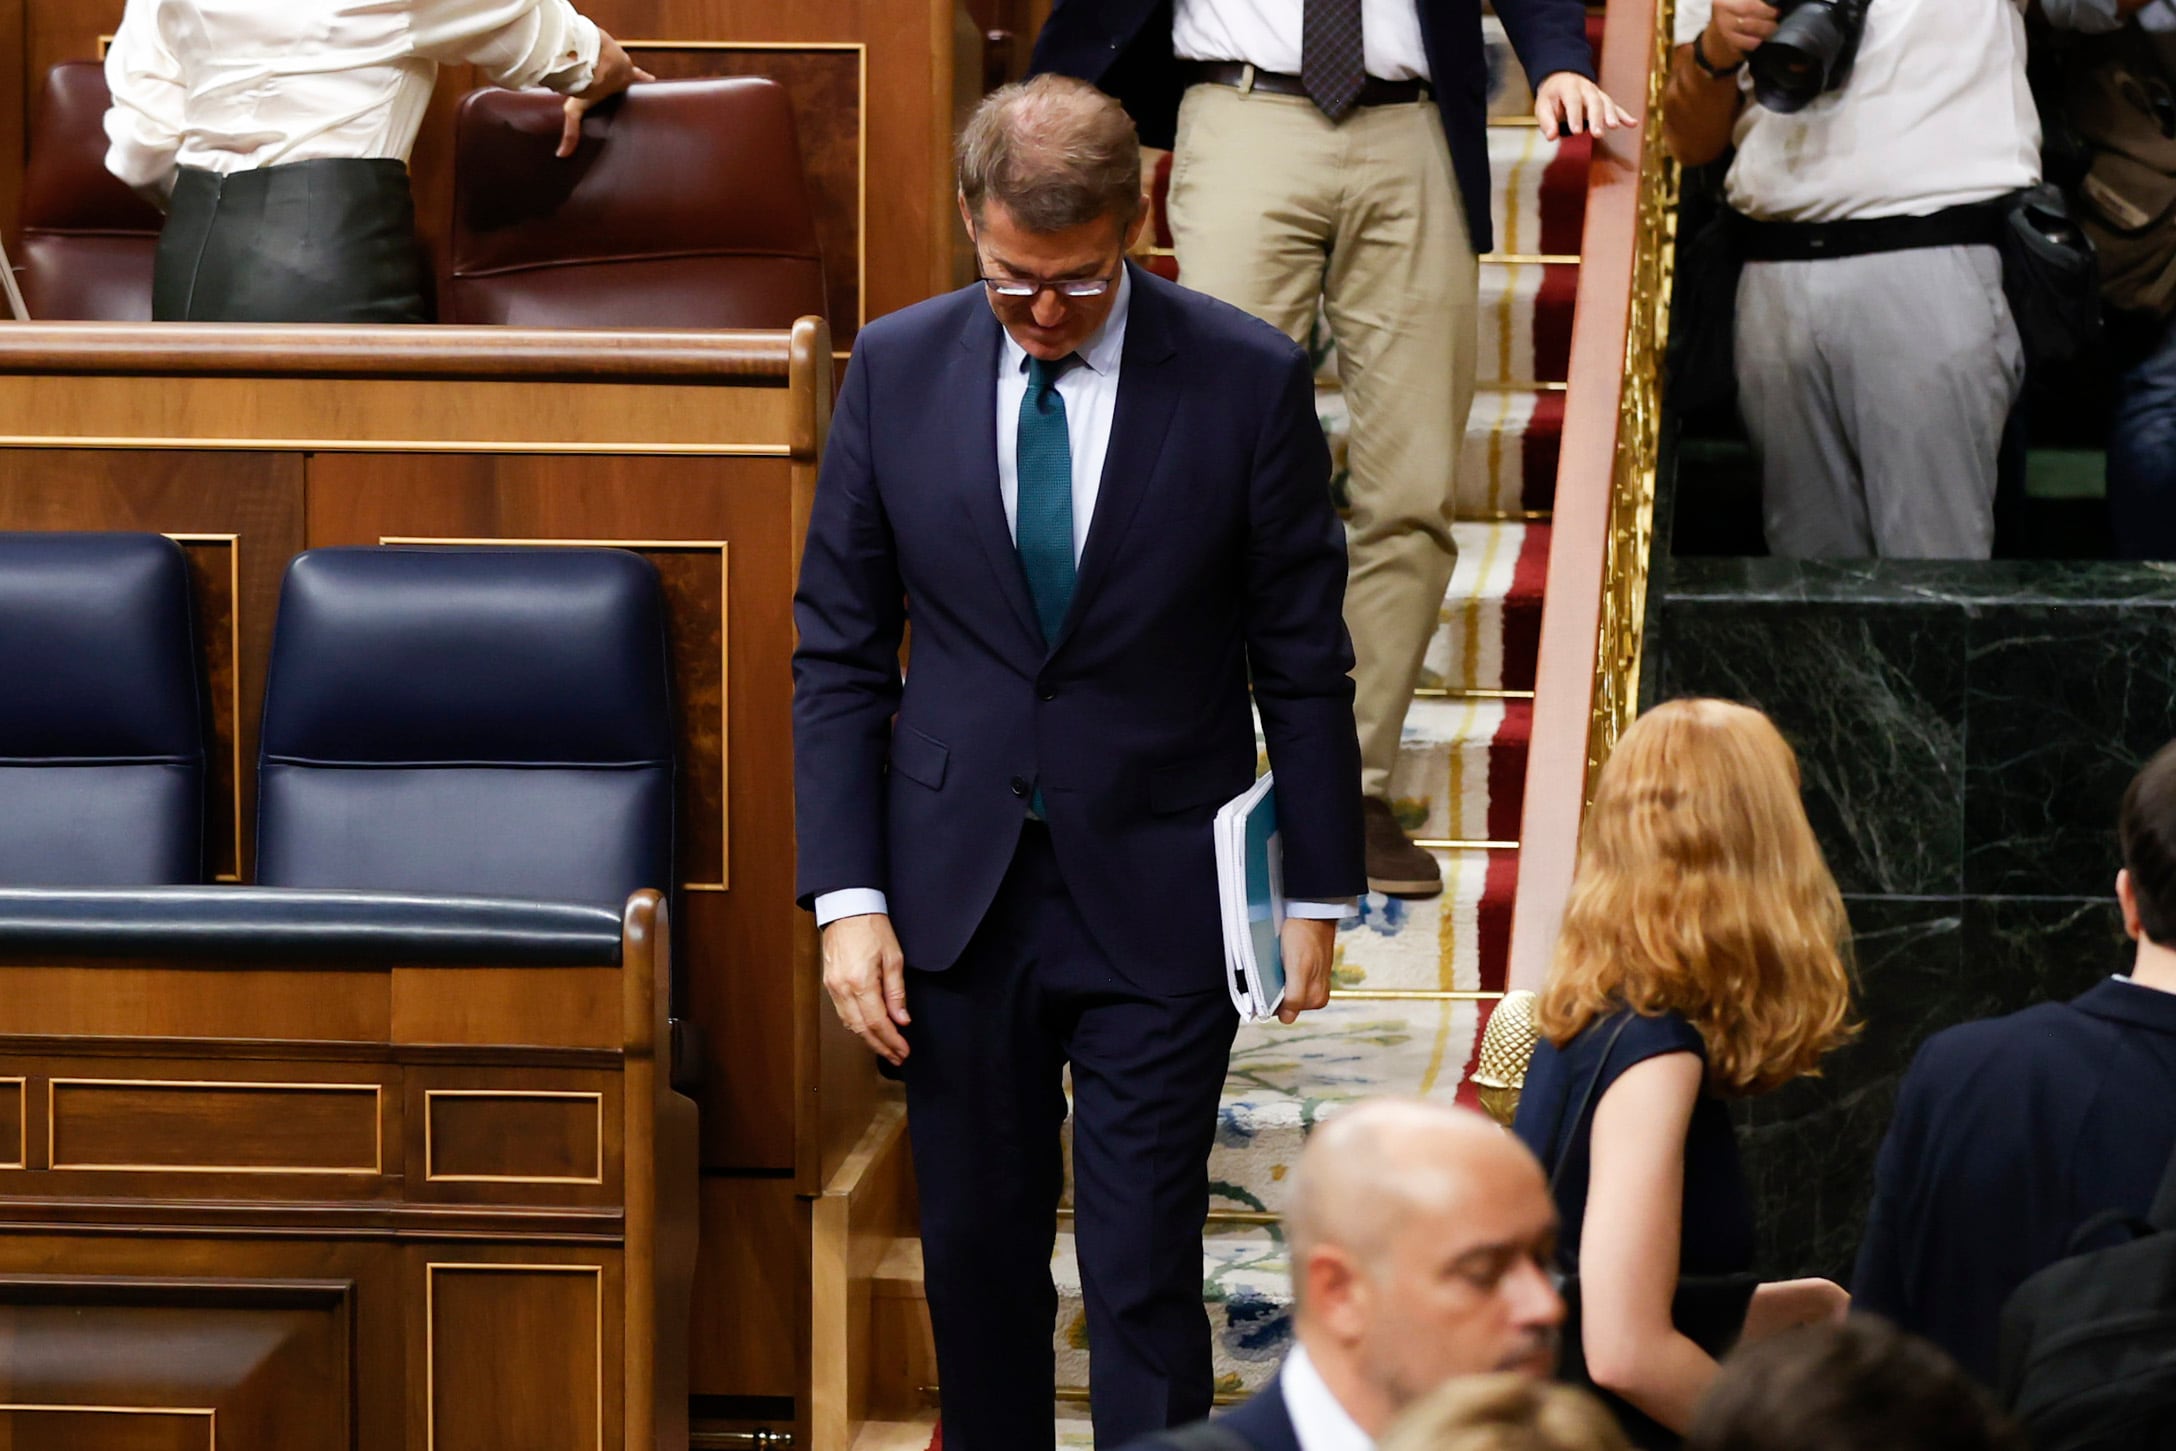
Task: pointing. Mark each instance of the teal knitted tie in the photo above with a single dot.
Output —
(1044, 527)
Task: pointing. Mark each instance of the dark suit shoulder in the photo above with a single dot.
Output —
(934, 319)
(1211, 324)
(1261, 1423)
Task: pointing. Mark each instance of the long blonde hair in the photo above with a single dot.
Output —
(1504, 1412)
(1701, 891)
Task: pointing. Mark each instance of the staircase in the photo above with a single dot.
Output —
(1413, 981)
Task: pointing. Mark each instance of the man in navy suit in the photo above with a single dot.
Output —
(2011, 1133)
(1334, 154)
(1423, 1243)
(1103, 502)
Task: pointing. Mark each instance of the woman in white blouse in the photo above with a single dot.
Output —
(275, 134)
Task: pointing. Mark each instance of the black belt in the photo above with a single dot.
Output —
(1376, 92)
(1971, 226)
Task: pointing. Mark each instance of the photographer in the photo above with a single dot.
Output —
(1876, 357)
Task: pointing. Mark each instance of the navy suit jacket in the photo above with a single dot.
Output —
(1213, 553)
(1124, 46)
(2009, 1134)
(1261, 1421)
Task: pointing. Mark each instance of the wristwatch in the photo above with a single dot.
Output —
(1700, 59)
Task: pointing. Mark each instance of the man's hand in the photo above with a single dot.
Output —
(1735, 30)
(614, 73)
(866, 975)
(1567, 103)
(1308, 943)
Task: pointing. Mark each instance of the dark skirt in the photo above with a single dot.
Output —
(330, 240)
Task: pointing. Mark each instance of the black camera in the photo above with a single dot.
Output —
(1810, 53)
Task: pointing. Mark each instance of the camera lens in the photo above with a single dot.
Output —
(1794, 65)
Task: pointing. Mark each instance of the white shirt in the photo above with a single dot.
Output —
(1090, 391)
(1936, 114)
(1318, 1420)
(1266, 35)
(230, 85)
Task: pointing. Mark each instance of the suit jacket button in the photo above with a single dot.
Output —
(1050, 695)
(1019, 786)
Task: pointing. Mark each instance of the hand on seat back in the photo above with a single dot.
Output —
(615, 73)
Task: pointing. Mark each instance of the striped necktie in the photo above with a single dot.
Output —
(1043, 528)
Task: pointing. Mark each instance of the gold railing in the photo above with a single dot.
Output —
(1630, 541)
(1595, 602)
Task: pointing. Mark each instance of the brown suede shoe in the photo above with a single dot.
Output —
(1396, 867)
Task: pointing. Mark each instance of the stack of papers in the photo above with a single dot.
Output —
(1250, 890)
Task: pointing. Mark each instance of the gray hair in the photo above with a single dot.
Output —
(1054, 152)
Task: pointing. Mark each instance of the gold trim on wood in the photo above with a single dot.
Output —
(725, 651)
(430, 1331)
(1529, 259)
(861, 137)
(209, 1413)
(1630, 541)
(1437, 692)
(22, 1122)
(431, 1174)
(397, 445)
(234, 631)
(52, 1142)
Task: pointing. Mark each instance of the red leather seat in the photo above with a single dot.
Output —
(685, 206)
(88, 241)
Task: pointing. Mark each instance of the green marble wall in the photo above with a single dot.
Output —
(1965, 733)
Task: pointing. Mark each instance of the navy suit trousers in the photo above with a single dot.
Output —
(990, 1040)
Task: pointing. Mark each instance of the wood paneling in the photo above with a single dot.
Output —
(151, 1363)
(14, 1123)
(748, 1342)
(128, 1001)
(238, 1127)
(516, 1136)
(17, 92)
(556, 1397)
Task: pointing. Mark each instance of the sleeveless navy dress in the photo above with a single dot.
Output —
(1717, 1233)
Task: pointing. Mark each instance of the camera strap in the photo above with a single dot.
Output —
(1969, 226)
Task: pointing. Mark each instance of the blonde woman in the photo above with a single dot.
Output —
(1504, 1413)
(1702, 958)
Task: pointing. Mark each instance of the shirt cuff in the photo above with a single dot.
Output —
(1321, 911)
(849, 902)
(576, 68)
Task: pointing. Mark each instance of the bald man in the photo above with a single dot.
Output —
(1422, 1241)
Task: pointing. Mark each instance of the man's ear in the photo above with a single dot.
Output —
(967, 218)
(1338, 1293)
(2127, 898)
(1136, 227)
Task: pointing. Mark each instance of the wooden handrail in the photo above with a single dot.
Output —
(1611, 395)
(349, 351)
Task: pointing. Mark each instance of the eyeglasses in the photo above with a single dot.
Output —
(1072, 288)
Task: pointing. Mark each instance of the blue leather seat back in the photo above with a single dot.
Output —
(102, 713)
(495, 722)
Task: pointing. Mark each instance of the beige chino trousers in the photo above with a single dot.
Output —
(1273, 207)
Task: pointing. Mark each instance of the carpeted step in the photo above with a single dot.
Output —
(1461, 769)
(1538, 190)
(1490, 627)
(1513, 441)
(1525, 323)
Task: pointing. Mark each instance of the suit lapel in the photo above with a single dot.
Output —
(1147, 397)
(974, 460)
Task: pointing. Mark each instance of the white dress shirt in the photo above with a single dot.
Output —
(1320, 1423)
(231, 85)
(1090, 392)
(1936, 114)
(1266, 35)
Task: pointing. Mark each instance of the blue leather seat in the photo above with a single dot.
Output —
(488, 722)
(102, 717)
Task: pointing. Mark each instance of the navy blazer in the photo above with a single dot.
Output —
(1214, 553)
(1124, 46)
(2009, 1134)
(1261, 1421)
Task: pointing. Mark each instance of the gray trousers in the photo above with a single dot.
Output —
(1876, 389)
